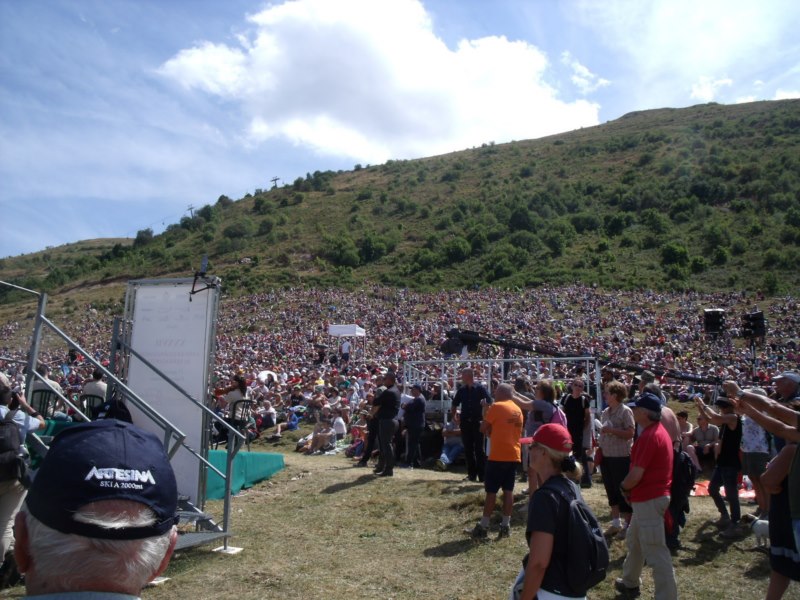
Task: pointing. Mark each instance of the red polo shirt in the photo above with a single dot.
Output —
(652, 451)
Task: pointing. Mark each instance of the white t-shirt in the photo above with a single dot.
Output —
(339, 426)
(345, 347)
(95, 388)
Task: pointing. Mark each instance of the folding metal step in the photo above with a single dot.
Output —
(190, 516)
(190, 540)
(189, 513)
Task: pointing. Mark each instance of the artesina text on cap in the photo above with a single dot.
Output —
(120, 475)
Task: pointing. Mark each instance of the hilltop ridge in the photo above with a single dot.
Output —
(706, 197)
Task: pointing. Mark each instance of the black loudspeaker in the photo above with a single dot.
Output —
(713, 320)
(754, 325)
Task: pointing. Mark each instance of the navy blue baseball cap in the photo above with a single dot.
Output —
(648, 401)
(104, 460)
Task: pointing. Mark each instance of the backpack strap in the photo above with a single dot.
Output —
(10, 416)
(560, 492)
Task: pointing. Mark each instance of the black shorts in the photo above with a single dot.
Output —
(500, 475)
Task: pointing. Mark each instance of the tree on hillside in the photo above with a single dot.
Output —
(521, 220)
(206, 213)
(674, 253)
(341, 250)
(238, 229)
(143, 237)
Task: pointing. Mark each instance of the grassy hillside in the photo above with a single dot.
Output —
(706, 198)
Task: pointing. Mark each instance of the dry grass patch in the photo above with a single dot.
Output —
(322, 529)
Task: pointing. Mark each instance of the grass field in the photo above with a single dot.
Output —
(323, 529)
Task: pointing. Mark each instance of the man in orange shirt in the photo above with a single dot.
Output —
(502, 424)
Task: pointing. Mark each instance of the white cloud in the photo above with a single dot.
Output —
(706, 88)
(586, 81)
(371, 80)
(664, 47)
(214, 67)
(787, 94)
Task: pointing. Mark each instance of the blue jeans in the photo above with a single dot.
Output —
(451, 452)
(729, 478)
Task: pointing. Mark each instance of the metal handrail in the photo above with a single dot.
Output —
(183, 392)
(235, 438)
(20, 288)
(170, 430)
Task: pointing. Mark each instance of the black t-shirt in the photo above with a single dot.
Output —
(469, 399)
(575, 409)
(388, 403)
(731, 439)
(548, 512)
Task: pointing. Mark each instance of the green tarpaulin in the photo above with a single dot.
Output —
(248, 469)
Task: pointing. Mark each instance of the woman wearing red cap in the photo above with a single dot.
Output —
(543, 577)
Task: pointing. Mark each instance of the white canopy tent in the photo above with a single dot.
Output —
(346, 331)
(349, 330)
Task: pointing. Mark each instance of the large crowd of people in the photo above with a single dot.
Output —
(286, 331)
(274, 355)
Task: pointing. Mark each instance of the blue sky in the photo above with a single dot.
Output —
(117, 115)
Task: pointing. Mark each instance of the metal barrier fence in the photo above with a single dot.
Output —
(448, 371)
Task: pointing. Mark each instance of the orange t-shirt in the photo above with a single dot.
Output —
(505, 417)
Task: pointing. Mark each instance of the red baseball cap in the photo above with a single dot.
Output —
(554, 436)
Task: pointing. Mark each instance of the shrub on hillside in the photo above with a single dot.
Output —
(341, 250)
(143, 237)
(238, 230)
(674, 253)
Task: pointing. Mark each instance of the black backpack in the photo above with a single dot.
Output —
(586, 545)
(10, 441)
(684, 474)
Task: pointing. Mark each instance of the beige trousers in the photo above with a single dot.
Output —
(12, 495)
(647, 544)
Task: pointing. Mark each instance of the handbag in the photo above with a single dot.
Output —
(24, 471)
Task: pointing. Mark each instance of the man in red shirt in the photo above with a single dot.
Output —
(647, 484)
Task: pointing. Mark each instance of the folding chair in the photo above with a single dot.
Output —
(90, 403)
(44, 402)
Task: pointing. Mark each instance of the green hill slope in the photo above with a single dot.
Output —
(706, 197)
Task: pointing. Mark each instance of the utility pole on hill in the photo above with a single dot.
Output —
(191, 210)
(275, 181)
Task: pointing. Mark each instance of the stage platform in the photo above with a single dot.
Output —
(248, 469)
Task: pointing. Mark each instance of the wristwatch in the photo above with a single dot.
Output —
(740, 393)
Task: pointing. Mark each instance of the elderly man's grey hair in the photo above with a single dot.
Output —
(653, 415)
(76, 562)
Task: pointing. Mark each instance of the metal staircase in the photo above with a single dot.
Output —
(206, 529)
